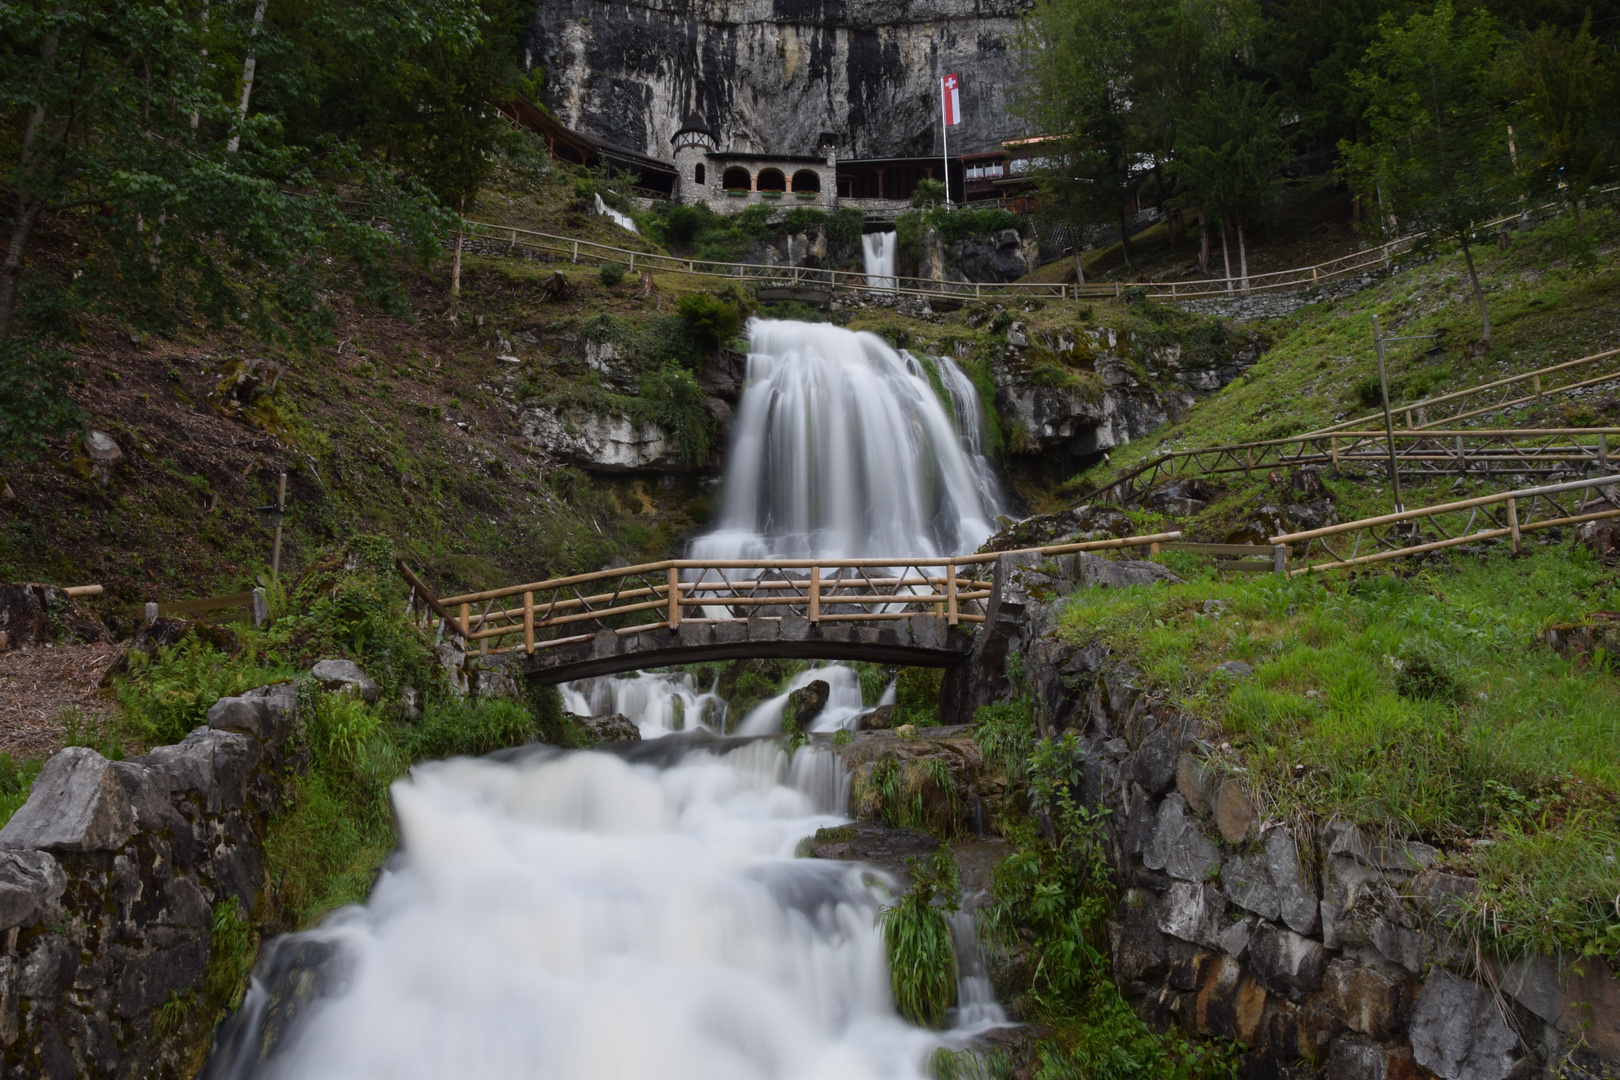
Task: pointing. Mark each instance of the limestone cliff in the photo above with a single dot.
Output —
(770, 75)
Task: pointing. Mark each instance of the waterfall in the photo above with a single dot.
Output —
(877, 259)
(636, 911)
(841, 449)
(623, 221)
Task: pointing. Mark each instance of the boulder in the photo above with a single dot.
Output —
(1368, 1001)
(1192, 913)
(1155, 767)
(1233, 811)
(345, 675)
(213, 766)
(879, 719)
(804, 705)
(1458, 1031)
(77, 804)
(615, 727)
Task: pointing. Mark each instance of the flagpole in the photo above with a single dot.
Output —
(945, 141)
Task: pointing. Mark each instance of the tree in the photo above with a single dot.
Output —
(1567, 86)
(1229, 154)
(1435, 155)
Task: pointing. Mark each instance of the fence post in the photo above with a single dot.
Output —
(632, 262)
(1118, 289)
(815, 594)
(576, 251)
(1279, 559)
(1154, 549)
(1462, 462)
(1513, 523)
(1603, 449)
(950, 594)
(151, 613)
(1333, 448)
(261, 608)
(466, 621)
(1537, 377)
(674, 598)
(528, 622)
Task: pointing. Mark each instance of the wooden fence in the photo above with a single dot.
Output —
(1509, 514)
(1421, 454)
(664, 595)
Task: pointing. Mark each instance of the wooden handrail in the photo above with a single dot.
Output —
(427, 595)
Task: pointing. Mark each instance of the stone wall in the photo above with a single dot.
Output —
(1327, 953)
(110, 877)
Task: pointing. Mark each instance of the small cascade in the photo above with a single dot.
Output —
(877, 259)
(623, 221)
(841, 449)
(657, 702)
(844, 705)
(968, 412)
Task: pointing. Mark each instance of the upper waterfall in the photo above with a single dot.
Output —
(842, 449)
(877, 259)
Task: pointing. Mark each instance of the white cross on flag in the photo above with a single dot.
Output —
(953, 100)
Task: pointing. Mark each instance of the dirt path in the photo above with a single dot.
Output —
(36, 685)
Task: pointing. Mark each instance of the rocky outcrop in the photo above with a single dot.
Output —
(1080, 393)
(1332, 947)
(770, 77)
(1004, 255)
(598, 441)
(111, 876)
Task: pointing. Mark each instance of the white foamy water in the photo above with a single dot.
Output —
(659, 703)
(583, 915)
(841, 449)
(877, 259)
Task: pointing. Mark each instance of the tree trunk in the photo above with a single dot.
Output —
(1479, 294)
(248, 67)
(1125, 238)
(1203, 242)
(194, 116)
(1079, 269)
(29, 205)
(1243, 255)
(455, 262)
(1226, 254)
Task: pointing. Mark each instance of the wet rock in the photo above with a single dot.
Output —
(1178, 847)
(76, 804)
(600, 442)
(615, 727)
(804, 705)
(1287, 963)
(1458, 1033)
(879, 719)
(871, 842)
(1231, 1003)
(345, 676)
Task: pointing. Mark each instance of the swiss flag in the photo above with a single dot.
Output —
(953, 100)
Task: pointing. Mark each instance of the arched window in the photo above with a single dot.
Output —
(700, 175)
(806, 180)
(772, 180)
(735, 179)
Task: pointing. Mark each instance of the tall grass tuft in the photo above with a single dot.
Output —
(917, 936)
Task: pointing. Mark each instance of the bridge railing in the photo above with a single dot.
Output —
(663, 595)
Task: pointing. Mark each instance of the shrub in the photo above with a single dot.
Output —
(712, 321)
(928, 193)
(916, 696)
(611, 273)
(166, 696)
(917, 937)
(1368, 391)
(676, 402)
(470, 728)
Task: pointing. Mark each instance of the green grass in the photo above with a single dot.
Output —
(1547, 305)
(1423, 706)
(917, 937)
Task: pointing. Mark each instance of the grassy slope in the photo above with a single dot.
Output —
(1422, 705)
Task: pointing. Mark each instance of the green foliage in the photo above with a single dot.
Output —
(1003, 730)
(341, 725)
(675, 401)
(843, 228)
(165, 696)
(914, 794)
(472, 728)
(230, 956)
(15, 780)
(34, 404)
(1230, 151)
(713, 321)
(929, 193)
(917, 937)
(611, 273)
(916, 696)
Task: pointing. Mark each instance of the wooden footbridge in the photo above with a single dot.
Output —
(917, 612)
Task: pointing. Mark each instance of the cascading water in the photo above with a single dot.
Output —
(877, 259)
(841, 449)
(638, 913)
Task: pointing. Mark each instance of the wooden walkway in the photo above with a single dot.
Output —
(918, 612)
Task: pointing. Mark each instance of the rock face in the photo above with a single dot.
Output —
(600, 442)
(110, 876)
(1108, 402)
(769, 76)
(616, 727)
(1334, 948)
